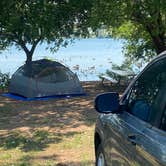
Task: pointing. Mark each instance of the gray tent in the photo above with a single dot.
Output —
(44, 78)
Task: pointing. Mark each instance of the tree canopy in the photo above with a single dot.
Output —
(26, 24)
(142, 23)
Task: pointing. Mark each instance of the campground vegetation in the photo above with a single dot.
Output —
(4, 81)
(49, 133)
(142, 25)
(26, 24)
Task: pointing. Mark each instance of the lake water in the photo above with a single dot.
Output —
(86, 57)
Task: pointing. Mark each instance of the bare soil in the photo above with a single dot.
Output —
(66, 129)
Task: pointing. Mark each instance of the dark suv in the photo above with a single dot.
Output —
(131, 130)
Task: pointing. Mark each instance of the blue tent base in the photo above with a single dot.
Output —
(22, 98)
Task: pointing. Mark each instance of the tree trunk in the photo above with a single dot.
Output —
(28, 63)
(29, 53)
(157, 39)
(29, 57)
(159, 44)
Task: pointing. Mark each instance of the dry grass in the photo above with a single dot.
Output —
(49, 133)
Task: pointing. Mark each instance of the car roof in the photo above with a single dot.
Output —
(162, 55)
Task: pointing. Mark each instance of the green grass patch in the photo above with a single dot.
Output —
(21, 149)
(37, 141)
(82, 140)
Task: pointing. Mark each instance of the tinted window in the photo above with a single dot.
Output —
(145, 90)
(163, 121)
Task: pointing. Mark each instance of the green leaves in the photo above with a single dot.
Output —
(137, 41)
(31, 22)
(141, 23)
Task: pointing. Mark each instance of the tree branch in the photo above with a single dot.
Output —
(34, 45)
(23, 45)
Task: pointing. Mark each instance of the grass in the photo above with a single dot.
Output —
(49, 133)
(43, 147)
(19, 149)
(37, 141)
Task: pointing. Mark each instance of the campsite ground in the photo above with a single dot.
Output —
(50, 133)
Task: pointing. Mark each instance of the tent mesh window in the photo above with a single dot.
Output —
(56, 74)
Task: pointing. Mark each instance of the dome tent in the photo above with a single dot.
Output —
(44, 78)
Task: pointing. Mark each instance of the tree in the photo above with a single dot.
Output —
(142, 23)
(27, 23)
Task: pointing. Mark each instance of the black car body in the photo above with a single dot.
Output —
(131, 130)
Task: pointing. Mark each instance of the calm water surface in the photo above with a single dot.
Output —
(86, 57)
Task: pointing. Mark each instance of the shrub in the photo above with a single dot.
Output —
(4, 81)
(122, 74)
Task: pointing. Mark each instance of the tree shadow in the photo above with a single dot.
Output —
(58, 114)
(82, 163)
(34, 125)
(36, 141)
(27, 160)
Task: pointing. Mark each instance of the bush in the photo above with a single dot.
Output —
(4, 81)
(122, 74)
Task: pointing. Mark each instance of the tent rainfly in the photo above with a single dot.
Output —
(44, 78)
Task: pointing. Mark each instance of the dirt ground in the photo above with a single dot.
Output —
(54, 132)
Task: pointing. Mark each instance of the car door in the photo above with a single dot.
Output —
(151, 143)
(133, 137)
(120, 138)
(151, 147)
(147, 100)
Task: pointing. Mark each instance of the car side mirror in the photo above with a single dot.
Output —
(107, 103)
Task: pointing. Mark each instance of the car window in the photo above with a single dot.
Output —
(163, 121)
(143, 93)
